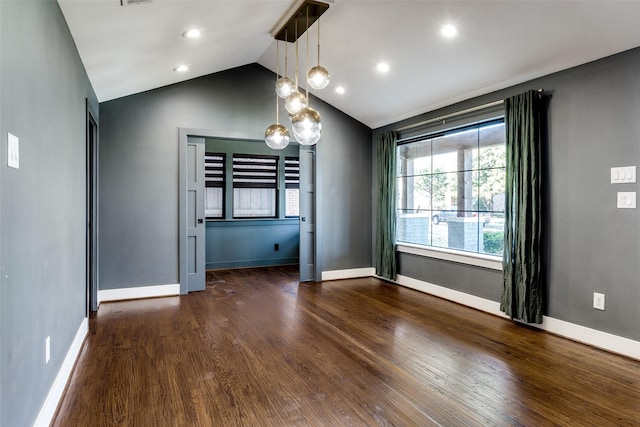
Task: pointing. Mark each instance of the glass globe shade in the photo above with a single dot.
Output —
(306, 125)
(276, 136)
(295, 102)
(309, 141)
(318, 77)
(285, 87)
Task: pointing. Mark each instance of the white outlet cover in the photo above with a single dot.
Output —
(598, 301)
(13, 151)
(47, 350)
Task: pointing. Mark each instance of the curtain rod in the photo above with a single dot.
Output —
(457, 113)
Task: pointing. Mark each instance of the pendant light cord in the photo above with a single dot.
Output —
(286, 53)
(318, 40)
(277, 77)
(307, 60)
(296, 27)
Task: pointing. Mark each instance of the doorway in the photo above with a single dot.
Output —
(192, 245)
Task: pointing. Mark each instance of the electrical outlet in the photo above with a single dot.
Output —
(47, 350)
(13, 151)
(598, 301)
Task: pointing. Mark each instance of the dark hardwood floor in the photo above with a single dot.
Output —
(259, 349)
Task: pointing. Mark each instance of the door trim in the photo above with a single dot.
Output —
(91, 260)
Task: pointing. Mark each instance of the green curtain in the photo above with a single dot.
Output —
(522, 295)
(386, 206)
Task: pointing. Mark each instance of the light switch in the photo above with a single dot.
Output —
(623, 175)
(13, 151)
(626, 200)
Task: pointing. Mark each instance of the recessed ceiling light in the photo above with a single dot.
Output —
(340, 90)
(181, 69)
(449, 31)
(383, 67)
(193, 33)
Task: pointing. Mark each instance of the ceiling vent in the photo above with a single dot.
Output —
(133, 2)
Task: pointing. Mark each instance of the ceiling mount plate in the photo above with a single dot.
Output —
(298, 23)
(133, 2)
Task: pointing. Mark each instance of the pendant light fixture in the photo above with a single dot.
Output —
(307, 126)
(295, 101)
(318, 77)
(277, 136)
(307, 123)
(284, 85)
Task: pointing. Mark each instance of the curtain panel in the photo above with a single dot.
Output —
(385, 262)
(522, 295)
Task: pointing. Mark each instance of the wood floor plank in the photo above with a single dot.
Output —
(257, 348)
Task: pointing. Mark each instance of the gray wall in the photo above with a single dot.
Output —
(592, 246)
(344, 195)
(139, 172)
(42, 204)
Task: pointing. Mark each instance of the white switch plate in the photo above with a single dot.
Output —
(626, 200)
(47, 350)
(623, 175)
(13, 151)
(598, 301)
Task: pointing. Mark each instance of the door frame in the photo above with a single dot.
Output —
(91, 260)
(183, 138)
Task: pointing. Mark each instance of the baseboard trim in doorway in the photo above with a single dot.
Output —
(593, 337)
(353, 273)
(52, 401)
(138, 293)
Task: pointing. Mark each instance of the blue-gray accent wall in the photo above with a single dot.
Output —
(139, 172)
(592, 246)
(251, 243)
(43, 88)
(235, 243)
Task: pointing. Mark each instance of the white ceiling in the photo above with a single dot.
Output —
(131, 49)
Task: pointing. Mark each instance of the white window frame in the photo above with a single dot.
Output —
(492, 262)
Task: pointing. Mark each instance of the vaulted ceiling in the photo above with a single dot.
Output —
(134, 48)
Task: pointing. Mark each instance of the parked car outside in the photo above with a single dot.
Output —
(443, 216)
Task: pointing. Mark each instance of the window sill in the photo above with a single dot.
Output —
(479, 260)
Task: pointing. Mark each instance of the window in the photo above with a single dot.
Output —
(292, 186)
(214, 185)
(451, 189)
(255, 181)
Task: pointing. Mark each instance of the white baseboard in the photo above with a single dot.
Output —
(592, 337)
(451, 295)
(137, 293)
(50, 405)
(352, 273)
